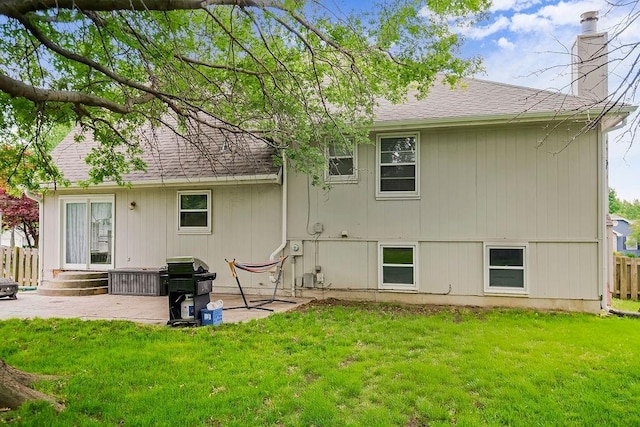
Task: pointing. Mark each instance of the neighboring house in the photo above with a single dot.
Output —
(489, 194)
(621, 231)
(19, 240)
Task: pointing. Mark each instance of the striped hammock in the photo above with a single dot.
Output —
(255, 267)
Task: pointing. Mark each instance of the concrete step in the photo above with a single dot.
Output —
(82, 275)
(72, 292)
(76, 283)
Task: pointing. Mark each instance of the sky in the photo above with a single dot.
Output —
(527, 43)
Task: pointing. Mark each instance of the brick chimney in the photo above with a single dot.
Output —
(589, 70)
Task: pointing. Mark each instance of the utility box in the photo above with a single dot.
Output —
(308, 280)
(296, 248)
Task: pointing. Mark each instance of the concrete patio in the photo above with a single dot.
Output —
(141, 309)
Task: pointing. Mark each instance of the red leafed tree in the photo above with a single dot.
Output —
(21, 213)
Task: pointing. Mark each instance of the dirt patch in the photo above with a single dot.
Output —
(395, 309)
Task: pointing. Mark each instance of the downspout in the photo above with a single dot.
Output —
(284, 208)
(606, 254)
(38, 199)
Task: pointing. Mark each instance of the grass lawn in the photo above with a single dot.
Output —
(626, 305)
(336, 365)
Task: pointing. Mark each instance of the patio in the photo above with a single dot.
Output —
(141, 309)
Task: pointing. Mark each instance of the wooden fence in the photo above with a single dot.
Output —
(20, 265)
(626, 277)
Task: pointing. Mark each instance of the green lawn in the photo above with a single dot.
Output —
(336, 365)
(626, 305)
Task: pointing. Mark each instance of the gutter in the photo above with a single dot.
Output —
(177, 182)
(497, 119)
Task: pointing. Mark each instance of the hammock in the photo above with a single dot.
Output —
(258, 267)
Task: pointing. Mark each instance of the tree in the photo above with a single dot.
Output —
(624, 208)
(15, 388)
(21, 213)
(293, 73)
(614, 202)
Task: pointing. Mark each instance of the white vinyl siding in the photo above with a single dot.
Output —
(194, 211)
(87, 230)
(342, 163)
(505, 269)
(397, 266)
(397, 165)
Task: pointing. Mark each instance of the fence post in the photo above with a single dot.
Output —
(634, 264)
(624, 279)
(616, 277)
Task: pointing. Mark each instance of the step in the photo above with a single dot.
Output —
(72, 292)
(73, 283)
(82, 275)
(76, 283)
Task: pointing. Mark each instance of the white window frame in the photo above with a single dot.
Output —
(342, 179)
(525, 268)
(630, 247)
(87, 199)
(193, 230)
(382, 195)
(381, 265)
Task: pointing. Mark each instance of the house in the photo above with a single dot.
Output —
(488, 194)
(621, 231)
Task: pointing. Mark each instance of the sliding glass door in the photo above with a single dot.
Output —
(87, 242)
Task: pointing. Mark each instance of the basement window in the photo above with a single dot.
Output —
(506, 269)
(397, 266)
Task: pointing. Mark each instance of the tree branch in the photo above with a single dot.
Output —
(16, 88)
(15, 8)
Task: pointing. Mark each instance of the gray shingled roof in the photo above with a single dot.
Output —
(171, 158)
(477, 99)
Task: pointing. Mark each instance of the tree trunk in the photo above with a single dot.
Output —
(15, 388)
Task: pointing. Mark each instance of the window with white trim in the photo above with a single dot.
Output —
(194, 211)
(342, 162)
(397, 159)
(87, 232)
(506, 270)
(397, 263)
(631, 244)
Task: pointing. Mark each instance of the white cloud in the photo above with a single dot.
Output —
(478, 33)
(530, 23)
(515, 5)
(505, 44)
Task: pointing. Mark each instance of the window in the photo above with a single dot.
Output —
(194, 211)
(631, 244)
(397, 165)
(397, 266)
(87, 232)
(505, 269)
(342, 163)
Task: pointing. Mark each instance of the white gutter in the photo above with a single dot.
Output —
(495, 119)
(38, 199)
(284, 208)
(177, 182)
